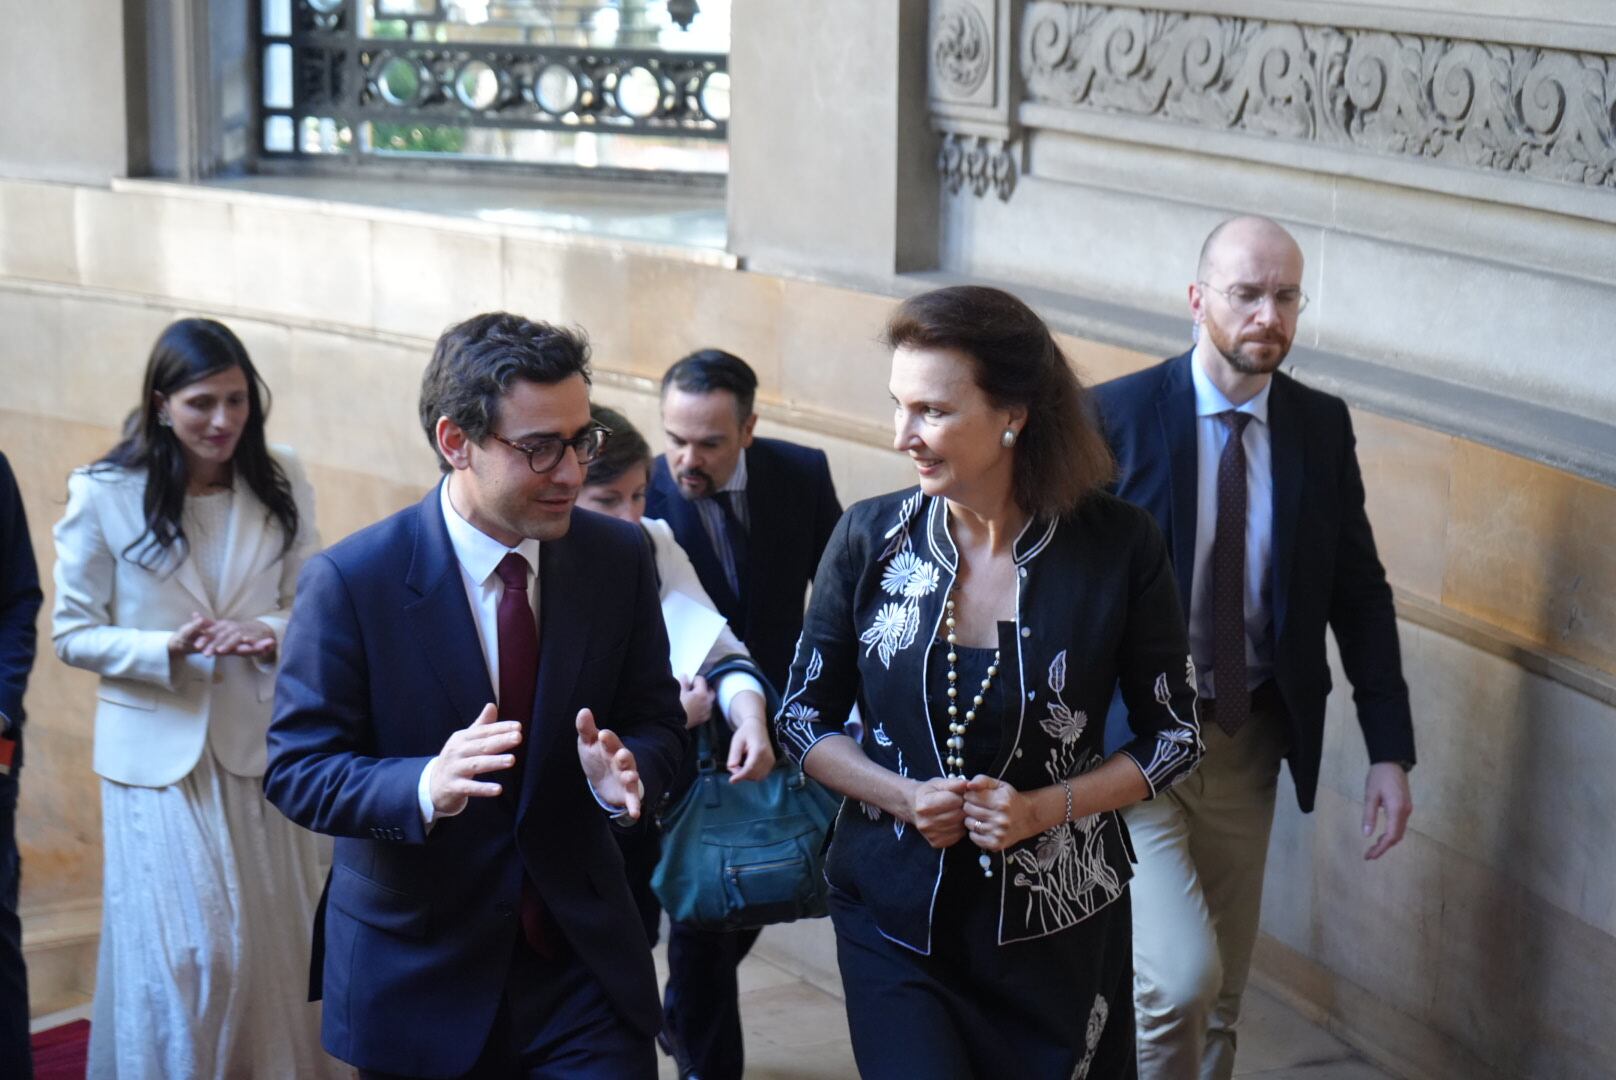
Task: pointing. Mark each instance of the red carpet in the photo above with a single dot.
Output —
(60, 1052)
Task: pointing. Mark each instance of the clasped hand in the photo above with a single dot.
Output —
(991, 812)
(489, 744)
(222, 637)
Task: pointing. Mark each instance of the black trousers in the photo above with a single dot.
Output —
(1052, 1008)
(701, 1008)
(556, 1023)
(15, 1060)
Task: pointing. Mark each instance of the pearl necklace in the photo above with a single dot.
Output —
(956, 725)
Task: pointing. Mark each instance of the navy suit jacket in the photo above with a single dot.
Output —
(1325, 568)
(19, 602)
(381, 663)
(792, 508)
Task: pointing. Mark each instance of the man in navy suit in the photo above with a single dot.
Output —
(754, 515)
(19, 606)
(447, 683)
(1254, 481)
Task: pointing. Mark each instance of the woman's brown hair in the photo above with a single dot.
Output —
(1061, 455)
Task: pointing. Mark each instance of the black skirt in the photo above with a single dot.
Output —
(1057, 1007)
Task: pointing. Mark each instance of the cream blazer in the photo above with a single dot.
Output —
(115, 618)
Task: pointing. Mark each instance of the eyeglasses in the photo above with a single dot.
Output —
(1246, 299)
(545, 454)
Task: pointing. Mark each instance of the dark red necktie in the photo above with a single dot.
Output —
(518, 642)
(1232, 696)
(518, 676)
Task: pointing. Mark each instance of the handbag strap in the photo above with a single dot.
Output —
(706, 760)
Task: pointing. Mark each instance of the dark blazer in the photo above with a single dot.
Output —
(1097, 608)
(381, 663)
(20, 599)
(1325, 569)
(792, 508)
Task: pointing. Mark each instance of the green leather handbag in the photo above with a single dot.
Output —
(736, 856)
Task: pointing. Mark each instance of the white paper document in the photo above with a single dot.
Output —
(693, 629)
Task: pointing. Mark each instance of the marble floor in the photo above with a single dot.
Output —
(796, 1031)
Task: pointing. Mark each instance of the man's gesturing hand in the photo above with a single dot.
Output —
(608, 765)
(483, 747)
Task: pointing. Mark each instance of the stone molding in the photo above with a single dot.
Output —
(1530, 114)
(973, 96)
(979, 162)
(962, 52)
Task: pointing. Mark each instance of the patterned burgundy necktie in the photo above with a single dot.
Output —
(518, 676)
(1233, 697)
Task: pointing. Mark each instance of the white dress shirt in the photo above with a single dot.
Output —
(1211, 435)
(677, 574)
(478, 555)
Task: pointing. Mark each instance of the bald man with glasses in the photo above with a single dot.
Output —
(1254, 481)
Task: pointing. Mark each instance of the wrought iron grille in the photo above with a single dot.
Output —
(345, 76)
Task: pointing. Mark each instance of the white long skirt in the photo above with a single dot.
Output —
(209, 902)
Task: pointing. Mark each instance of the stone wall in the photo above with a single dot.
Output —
(1501, 906)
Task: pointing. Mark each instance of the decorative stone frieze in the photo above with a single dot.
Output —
(1503, 109)
(962, 51)
(972, 101)
(977, 162)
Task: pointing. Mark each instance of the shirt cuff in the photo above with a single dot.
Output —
(620, 813)
(423, 797)
(733, 684)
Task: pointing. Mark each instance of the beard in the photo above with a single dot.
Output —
(1239, 359)
(704, 485)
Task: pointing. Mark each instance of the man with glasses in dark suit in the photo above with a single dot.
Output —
(471, 691)
(1254, 480)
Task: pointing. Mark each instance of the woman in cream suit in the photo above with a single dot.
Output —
(175, 569)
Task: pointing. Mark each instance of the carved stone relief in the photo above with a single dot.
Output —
(1511, 109)
(980, 163)
(962, 52)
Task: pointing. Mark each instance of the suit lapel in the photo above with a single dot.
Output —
(1288, 451)
(763, 495)
(1175, 412)
(441, 618)
(564, 600)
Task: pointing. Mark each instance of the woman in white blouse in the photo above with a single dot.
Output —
(616, 486)
(175, 568)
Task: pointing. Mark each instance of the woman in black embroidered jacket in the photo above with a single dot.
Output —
(982, 624)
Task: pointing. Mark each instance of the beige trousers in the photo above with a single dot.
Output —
(1197, 894)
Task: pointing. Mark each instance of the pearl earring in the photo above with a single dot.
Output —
(1008, 439)
(164, 421)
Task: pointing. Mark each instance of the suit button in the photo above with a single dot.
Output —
(504, 910)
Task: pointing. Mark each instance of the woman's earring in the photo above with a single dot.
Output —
(164, 421)
(1008, 439)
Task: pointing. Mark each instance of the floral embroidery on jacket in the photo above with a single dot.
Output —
(1065, 873)
(797, 720)
(1175, 744)
(907, 577)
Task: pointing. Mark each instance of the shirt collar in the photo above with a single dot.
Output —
(737, 479)
(478, 553)
(1209, 400)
